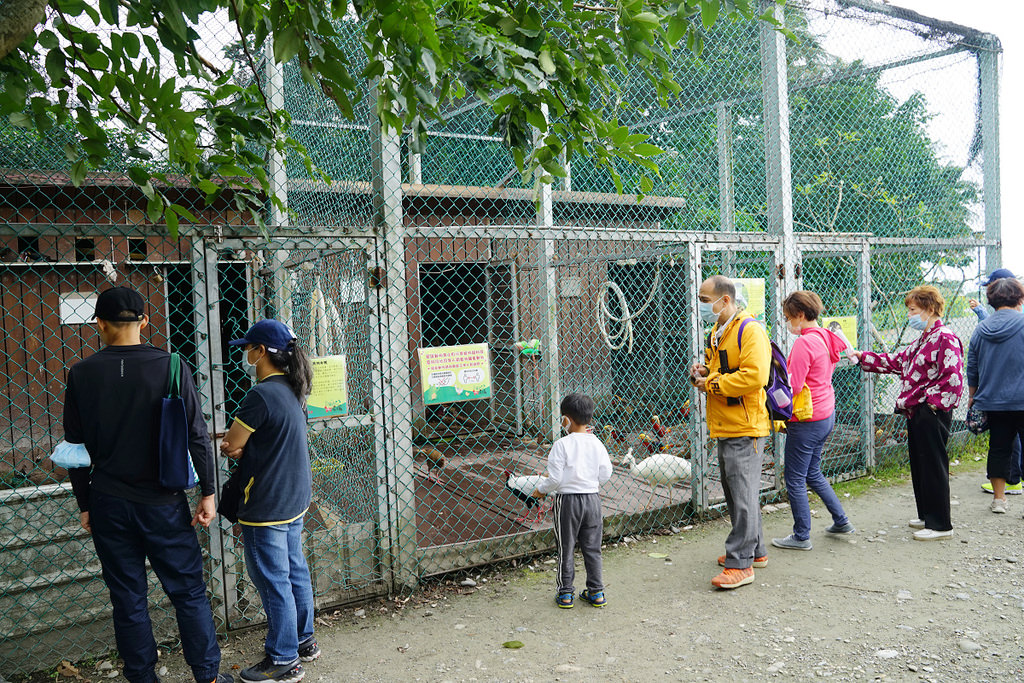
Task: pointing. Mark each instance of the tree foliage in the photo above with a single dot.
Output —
(548, 69)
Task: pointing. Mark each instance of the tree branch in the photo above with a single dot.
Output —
(189, 45)
(252, 65)
(80, 58)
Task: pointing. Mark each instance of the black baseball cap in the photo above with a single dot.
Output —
(273, 334)
(120, 305)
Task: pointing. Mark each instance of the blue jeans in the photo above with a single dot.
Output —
(804, 442)
(125, 533)
(278, 568)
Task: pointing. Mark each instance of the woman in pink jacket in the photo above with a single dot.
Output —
(811, 362)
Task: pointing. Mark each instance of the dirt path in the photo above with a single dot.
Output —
(876, 605)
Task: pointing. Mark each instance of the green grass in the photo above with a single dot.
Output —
(966, 455)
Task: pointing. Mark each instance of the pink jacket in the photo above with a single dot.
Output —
(810, 363)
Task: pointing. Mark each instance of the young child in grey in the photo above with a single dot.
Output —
(578, 464)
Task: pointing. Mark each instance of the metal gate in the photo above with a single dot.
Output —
(320, 287)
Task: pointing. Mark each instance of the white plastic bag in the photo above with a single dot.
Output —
(69, 455)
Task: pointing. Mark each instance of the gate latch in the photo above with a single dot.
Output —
(378, 280)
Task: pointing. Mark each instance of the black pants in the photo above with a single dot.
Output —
(126, 534)
(1006, 427)
(927, 436)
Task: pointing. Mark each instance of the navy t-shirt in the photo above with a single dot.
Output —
(277, 484)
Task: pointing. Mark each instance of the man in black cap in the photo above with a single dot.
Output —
(112, 406)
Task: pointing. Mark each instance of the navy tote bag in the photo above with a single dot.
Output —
(176, 470)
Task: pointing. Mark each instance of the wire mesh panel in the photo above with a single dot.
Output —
(52, 597)
(606, 316)
(319, 287)
(836, 278)
(894, 272)
(753, 272)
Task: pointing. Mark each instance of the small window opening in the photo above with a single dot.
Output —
(28, 248)
(137, 249)
(85, 249)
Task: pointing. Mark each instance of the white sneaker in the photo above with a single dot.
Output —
(998, 506)
(916, 524)
(932, 535)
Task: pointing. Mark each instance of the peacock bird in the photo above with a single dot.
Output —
(522, 487)
(660, 469)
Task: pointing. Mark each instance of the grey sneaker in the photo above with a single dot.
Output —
(791, 542)
(840, 529)
(268, 671)
(998, 506)
(309, 650)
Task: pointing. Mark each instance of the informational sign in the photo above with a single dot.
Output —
(750, 291)
(77, 309)
(450, 374)
(329, 394)
(844, 326)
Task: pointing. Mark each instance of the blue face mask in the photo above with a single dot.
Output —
(706, 310)
(917, 322)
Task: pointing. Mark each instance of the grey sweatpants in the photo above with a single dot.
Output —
(739, 460)
(578, 520)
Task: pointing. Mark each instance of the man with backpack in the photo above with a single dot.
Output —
(736, 368)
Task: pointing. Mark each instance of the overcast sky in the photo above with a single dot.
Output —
(1006, 20)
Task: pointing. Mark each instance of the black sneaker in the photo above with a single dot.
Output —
(309, 650)
(268, 671)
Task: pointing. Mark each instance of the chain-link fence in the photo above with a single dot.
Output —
(453, 306)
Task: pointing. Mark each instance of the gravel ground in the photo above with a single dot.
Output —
(874, 605)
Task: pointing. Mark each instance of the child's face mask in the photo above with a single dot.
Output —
(565, 423)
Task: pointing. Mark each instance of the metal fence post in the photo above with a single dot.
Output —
(726, 190)
(276, 303)
(415, 168)
(551, 389)
(210, 383)
(778, 176)
(867, 385)
(726, 194)
(988, 66)
(697, 398)
(396, 497)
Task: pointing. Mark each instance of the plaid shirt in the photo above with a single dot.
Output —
(932, 370)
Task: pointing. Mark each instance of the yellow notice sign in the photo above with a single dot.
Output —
(751, 290)
(844, 326)
(329, 395)
(450, 374)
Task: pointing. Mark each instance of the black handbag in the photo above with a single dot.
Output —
(230, 498)
(977, 421)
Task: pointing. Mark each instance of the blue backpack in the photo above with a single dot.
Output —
(779, 394)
